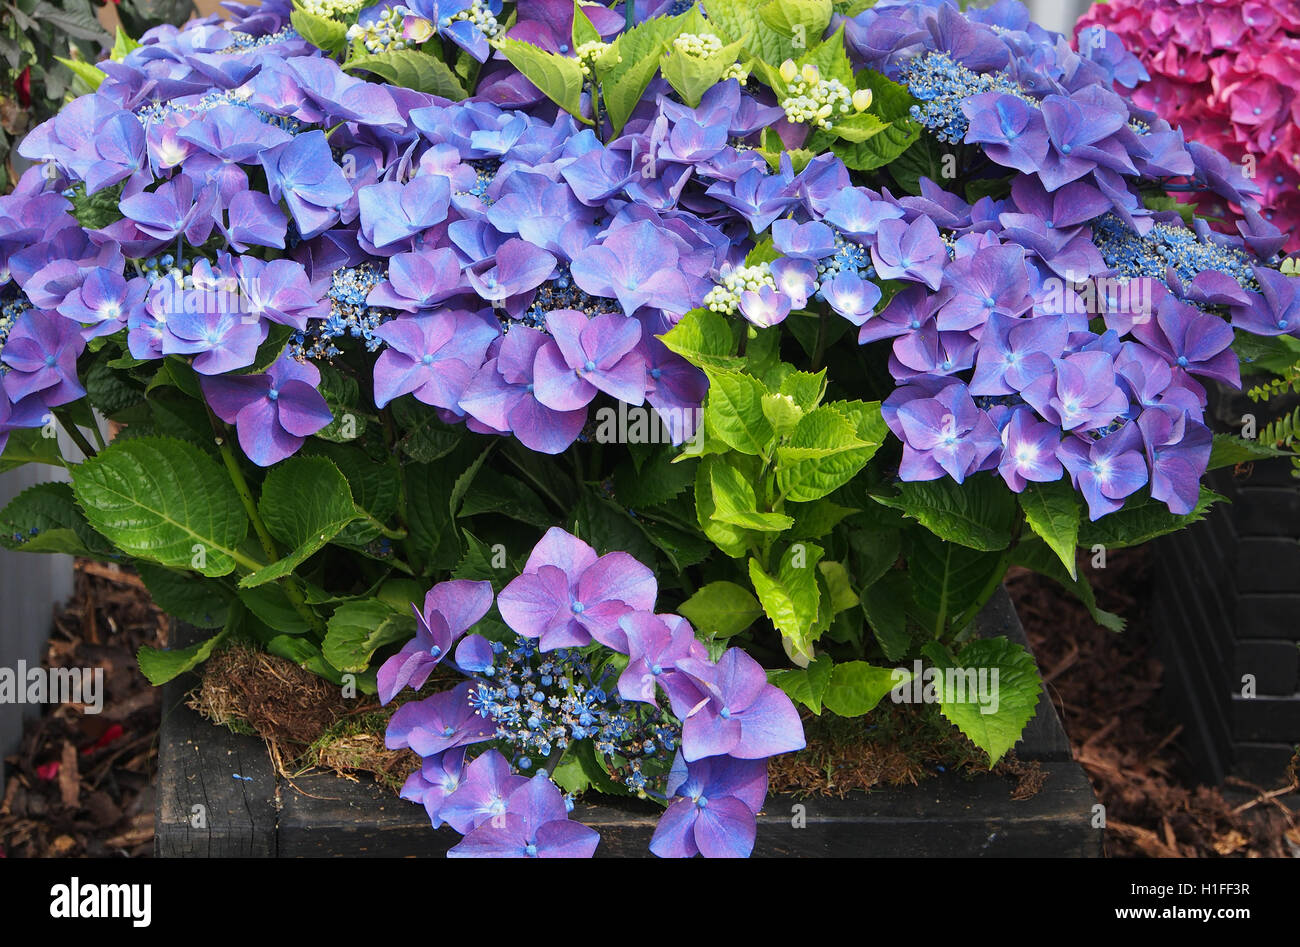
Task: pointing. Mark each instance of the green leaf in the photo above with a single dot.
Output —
(734, 411)
(161, 666)
(503, 495)
(305, 503)
(638, 51)
(321, 32)
(892, 102)
(806, 685)
(947, 579)
(734, 502)
(91, 75)
(721, 609)
(884, 603)
(978, 513)
(791, 599)
(123, 46)
(1142, 520)
(1034, 554)
(163, 500)
(204, 603)
(45, 518)
(1230, 450)
(557, 77)
(375, 488)
(703, 338)
(1052, 511)
(692, 76)
(992, 712)
(732, 540)
(806, 388)
(413, 69)
(357, 630)
(856, 687)
(31, 446)
(272, 607)
(822, 454)
(433, 539)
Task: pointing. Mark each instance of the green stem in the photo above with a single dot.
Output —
(292, 591)
(630, 9)
(74, 432)
(819, 352)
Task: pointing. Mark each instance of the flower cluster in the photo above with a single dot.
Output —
(1219, 71)
(589, 660)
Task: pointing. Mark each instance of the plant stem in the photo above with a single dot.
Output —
(630, 9)
(819, 351)
(292, 591)
(74, 432)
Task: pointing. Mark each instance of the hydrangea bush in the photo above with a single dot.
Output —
(619, 378)
(1222, 72)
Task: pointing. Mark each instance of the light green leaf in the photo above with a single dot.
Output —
(992, 712)
(734, 411)
(161, 666)
(732, 540)
(422, 72)
(358, 629)
(321, 32)
(856, 687)
(692, 76)
(88, 73)
(1230, 450)
(721, 609)
(734, 502)
(163, 500)
(806, 685)
(557, 77)
(822, 454)
(703, 337)
(792, 598)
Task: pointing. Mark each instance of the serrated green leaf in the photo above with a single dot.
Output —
(45, 518)
(305, 503)
(1052, 511)
(638, 51)
(822, 454)
(692, 76)
(806, 685)
(884, 603)
(1230, 450)
(994, 716)
(734, 502)
(161, 666)
(791, 598)
(704, 339)
(88, 73)
(420, 71)
(163, 500)
(357, 630)
(321, 32)
(204, 603)
(856, 687)
(978, 513)
(1141, 520)
(557, 77)
(721, 609)
(734, 411)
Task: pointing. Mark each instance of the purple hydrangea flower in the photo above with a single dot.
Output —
(432, 355)
(910, 251)
(435, 781)
(41, 355)
(589, 355)
(945, 433)
(438, 723)
(715, 801)
(273, 413)
(730, 709)
(450, 609)
(1106, 471)
(482, 795)
(567, 595)
(639, 266)
(535, 825)
(1029, 449)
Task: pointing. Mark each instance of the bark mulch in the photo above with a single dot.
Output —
(1107, 689)
(82, 784)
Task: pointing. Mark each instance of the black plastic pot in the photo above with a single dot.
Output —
(249, 811)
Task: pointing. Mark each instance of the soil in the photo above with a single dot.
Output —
(81, 784)
(1106, 688)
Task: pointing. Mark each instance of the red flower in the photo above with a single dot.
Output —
(23, 87)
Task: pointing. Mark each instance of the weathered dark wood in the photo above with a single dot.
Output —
(229, 775)
(322, 815)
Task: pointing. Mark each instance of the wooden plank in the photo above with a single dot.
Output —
(322, 815)
(230, 776)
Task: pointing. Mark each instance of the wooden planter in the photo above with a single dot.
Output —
(250, 811)
(1226, 604)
